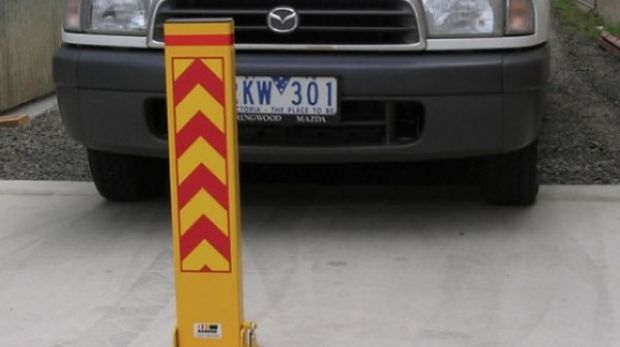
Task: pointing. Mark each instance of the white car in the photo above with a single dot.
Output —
(319, 81)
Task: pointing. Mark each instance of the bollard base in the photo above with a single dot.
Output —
(248, 335)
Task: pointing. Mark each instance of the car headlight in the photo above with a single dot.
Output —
(128, 17)
(454, 18)
(479, 18)
(119, 16)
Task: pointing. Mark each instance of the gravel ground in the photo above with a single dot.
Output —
(579, 144)
(42, 151)
(580, 140)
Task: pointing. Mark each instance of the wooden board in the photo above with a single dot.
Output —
(587, 4)
(610, 42)
(12, 121)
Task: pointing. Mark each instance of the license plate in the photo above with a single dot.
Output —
(287, 99)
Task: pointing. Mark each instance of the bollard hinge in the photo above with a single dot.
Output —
(248, 334)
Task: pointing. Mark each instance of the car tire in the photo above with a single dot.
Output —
(121, 177)
(511, 179)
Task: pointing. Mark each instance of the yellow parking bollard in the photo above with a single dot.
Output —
(204, 182)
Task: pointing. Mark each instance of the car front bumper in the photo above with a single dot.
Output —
(473, 103)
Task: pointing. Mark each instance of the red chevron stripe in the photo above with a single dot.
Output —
(200, 126)
(199, 40)
(202, 178)
(198, 74)
(203, 230)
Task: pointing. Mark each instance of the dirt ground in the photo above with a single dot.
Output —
(579, 142)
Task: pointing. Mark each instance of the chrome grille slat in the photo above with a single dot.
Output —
(332, 24)
(355, 29)
(199, 12)
(356, 12)
(308, 12)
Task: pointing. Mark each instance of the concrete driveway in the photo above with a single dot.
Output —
(324, 266)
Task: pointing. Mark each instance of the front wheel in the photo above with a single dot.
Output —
(512, 178)
(120, 177)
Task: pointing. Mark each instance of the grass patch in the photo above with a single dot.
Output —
(588, 22)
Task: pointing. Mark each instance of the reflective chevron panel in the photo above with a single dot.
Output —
(201, 154)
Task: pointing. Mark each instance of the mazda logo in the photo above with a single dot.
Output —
(283, 20)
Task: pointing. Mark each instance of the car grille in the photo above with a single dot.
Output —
(362, 123)
(347, 23)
